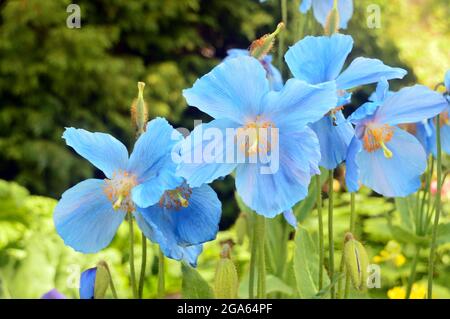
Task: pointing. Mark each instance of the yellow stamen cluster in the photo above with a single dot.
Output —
(176, 198)
(375, 138)
(118, 190)
(250, 139)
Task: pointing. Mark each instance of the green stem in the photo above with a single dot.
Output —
(320, 219)
(161, 279)
(132, 269)
(438, 209)
(111, 282)
(412, 275)
(143, 265)
(330, 231)
(261, 225)
(282, 35)
(253, 257)
(352, 230)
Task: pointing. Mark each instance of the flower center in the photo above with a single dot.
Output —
(255, 137)
(176, 198)
(375, 138)
(118, 190)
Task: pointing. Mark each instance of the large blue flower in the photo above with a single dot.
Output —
(273, 74)
(320, 59)
(88, 214)
(237, 94)
(322, 8)
(382, 156)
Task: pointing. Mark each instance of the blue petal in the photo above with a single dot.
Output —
(333, 140)
(364, 112)
(445, 138)
(87, 283)
(198, 165)
(232, 90)
(287, 183)
(53, 294)
(84, 217)
(192, 225)
(345, 9)
(447, 81)
(299, 104)
(382, 91)
(410, 105)
(321, 9)
(398, 176)
(290, 217)
(351, 166)
(305, 6)
(365, 71)
(102, 150)
(319, 59)
(425, 134)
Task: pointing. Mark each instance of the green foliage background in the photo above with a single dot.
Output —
(53, 77)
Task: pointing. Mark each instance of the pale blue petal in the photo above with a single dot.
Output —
(333, 139)
(351, 167)
(425, 134)
(345, 9)
(305, 6)
(321, 9)
(85, 218)
(319, 59)
(290, 217)
(208, 152)
(232, 90)
(410, 105)
(445, 138)
(286, 183)
(382, 91)
(398, 176)
(87, 283)
(192, 225)
(103, 150)
(153, 149)
(365, 71)
(363, 113)
(299, 104)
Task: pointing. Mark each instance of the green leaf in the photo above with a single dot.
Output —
(194, 286)
(405, 206)
(443, 233)
(405, 236)
(275, 284)
(306, 264)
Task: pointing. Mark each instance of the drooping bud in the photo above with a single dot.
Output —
(241, 227)
(139, 113)
(356, 262)
(94, 282)
(262, 46)
(333, 20)
(226, 279)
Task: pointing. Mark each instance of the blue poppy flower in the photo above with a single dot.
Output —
(382, 156)
(320, 59)
(273, 74)
(89, 214)
(237, 94)
(53, 294)
(322, 8)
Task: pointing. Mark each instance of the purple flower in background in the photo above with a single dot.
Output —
(53, 294)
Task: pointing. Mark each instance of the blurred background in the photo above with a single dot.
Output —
(52, 77)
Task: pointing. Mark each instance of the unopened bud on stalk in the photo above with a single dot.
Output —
(356, 261)
(241, 227)
(260, 47)
(226, 279)
(333, 20)
(139, 113)
(101, 280)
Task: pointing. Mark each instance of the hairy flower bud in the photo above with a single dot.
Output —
(226, 279)
(262, 46)
(356, 261)
(139, 113)
(101, 280)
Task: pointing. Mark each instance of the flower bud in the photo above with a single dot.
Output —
(356, 261)
(139, 113)
(226, 279)
(333, 20)
(260, 47)
(94, 282)
(241, 227)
